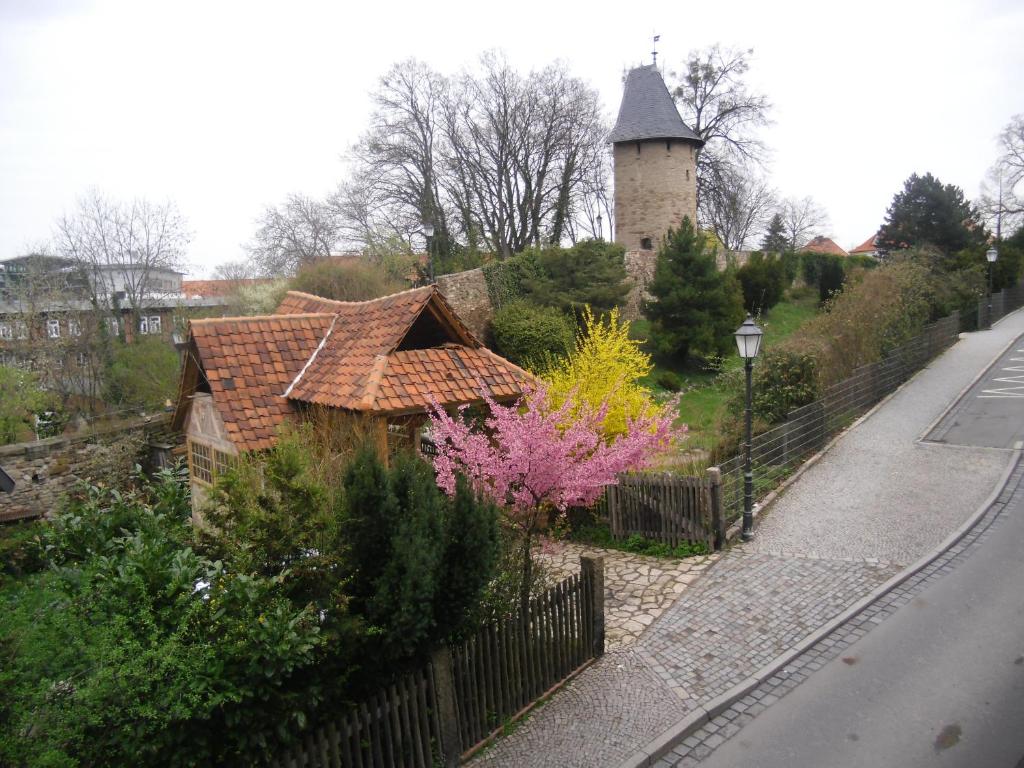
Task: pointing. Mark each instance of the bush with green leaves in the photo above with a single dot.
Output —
(418, 562)
(590, 273)
(529, 335)
(696, 307)
(763, 280)
(143, 373)
(21, 398)
(134, 649)
(506, 279)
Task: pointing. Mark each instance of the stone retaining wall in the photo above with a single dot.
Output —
(467, 293)
(45, 470)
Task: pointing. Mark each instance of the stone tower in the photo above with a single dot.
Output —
(655, 163)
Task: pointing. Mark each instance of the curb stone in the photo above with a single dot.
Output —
(663, 743)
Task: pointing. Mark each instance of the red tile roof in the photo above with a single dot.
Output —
(824, 245)
(868, 246)
(249, 362)
(386, 356)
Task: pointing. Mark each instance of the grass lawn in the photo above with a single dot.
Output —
(704, 399)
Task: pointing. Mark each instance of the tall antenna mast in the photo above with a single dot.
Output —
(654, 53)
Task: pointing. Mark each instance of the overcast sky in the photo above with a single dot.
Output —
(226, 106)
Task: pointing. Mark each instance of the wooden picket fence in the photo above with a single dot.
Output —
(673, 509)
(464, 696)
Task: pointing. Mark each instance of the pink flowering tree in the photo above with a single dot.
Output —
(532, 457)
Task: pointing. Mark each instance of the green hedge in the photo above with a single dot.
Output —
(527, 334)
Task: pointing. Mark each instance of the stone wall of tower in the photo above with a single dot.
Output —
(655, 186)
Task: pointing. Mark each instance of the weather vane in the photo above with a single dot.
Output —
(654, 53)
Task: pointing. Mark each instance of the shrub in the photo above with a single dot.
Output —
(785, 378)
(528, 335)
(590, 273)
(345, 280)
(669, 380)
(143, 373)
(135, 650)
(763, 280)
(830, 277)
(506, 279)
(20, 398)
(604, 365)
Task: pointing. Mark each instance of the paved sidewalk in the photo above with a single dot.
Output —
(875, 503)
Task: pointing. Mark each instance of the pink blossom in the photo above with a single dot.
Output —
(527, 459)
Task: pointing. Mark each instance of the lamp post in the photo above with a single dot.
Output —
(428, 232)
(600, 229)
(991, 255)
(748, 342)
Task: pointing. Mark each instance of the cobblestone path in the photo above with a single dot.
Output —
(848, 524)
(637, 589)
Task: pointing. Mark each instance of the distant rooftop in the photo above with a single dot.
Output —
(648, 111)
(822, 244)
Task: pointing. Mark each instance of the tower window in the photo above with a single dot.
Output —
(668, 145)
(687, 174)
(638, 147)
(646, 244)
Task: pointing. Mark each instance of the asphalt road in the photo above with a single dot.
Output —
(991, 414)
(938, 683)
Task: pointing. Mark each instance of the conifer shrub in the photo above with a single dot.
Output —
(763, 280)
(528, 334)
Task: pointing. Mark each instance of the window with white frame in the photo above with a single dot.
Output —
(20, 329)
(6, 331)
(82, 358)
(149, 324)
(74, 327)
(53, 329)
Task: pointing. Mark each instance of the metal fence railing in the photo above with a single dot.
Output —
(777, 452)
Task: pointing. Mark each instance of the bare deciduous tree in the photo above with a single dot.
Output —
(804, 219)
(1001, 202)
(714, 101)
(738, 209)
(491, 156)
(299, 231)
(124, 246)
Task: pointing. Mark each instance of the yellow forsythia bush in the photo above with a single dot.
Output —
(604, 363)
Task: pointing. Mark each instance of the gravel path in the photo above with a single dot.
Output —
(877, 501)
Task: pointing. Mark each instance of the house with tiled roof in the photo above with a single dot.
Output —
(824, 245)
(868, 248)
(381, 361)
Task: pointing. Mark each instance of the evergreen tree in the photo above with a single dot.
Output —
(775, 240)
(697, 308)
(403, 601)
(591, 273)
(763, 279)
(928, 212)
(370, 516)
(470, 555)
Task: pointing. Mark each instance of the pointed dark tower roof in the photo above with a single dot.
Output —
(648, 111)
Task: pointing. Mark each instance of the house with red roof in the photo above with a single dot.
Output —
(381, 362)
(825, 245)
(868, 248)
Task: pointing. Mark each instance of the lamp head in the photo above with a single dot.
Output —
(748, 339)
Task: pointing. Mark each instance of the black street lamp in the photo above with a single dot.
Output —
(600, 230)
(428, 232)
(748, 342)
(991, 255)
